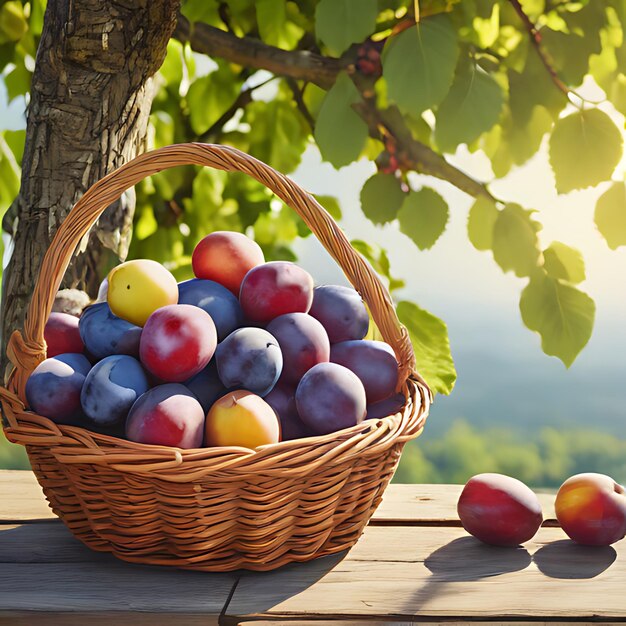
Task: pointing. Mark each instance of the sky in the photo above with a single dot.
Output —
(504, 377)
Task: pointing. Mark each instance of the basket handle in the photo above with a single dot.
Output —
(27, 351)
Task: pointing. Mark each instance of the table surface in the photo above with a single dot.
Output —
(413, 563)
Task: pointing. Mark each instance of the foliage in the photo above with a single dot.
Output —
(542, 459)
(498, 77)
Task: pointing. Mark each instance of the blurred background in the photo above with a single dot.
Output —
(514, 409)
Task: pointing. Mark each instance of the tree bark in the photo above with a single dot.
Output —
(90, 100)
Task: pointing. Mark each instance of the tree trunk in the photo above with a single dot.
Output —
(90, 100)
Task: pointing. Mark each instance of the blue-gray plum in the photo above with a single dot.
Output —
(303, 343)
(167, 415)
(104, 334)
(283, 400)
(249, 358)
(341, 312)
(389, 406)
(53, 389)
(374, 362)
(206, 386)
(216, 300)
(111, 388)
(330, 397)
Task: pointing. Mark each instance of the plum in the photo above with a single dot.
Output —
(274, 289)
(389, 406)
(216, 300)
(374, 362)
(225, 257)
(241, 418)
(111, 388)
(283, 400)
(206, 386)
(303, 343)
(53, 389)
(167, 415)
(104, 334)
(591, 509)
(341, 312)
(330, 397)
(499, 510)
(177, 342)
(249, 358)
(62, 335)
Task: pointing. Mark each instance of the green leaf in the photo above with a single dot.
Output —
(379, 261)
(17, 81)
(429, 336)
(146, 225)
(331, 204)
(472, 107)
(515, 244)
(15, 140)
(340, 132)
(423, 217)
(560, 313)
(562, 261)
(13, 23)
(481, 222)
(340, 23)
(276, 227)
(418, 64)
(381, 198)
(9, 176)
(270, 15)
(531, 87)
(201, 11)
(277, 134)
(610, 215)
(585, 147)
(209, 97)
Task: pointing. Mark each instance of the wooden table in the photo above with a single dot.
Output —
(413, 563)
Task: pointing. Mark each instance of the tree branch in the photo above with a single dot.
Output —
(314, 68)
(248, 52)
(535, 39)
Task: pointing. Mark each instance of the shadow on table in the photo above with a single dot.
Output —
(566, 559)
(467, 559)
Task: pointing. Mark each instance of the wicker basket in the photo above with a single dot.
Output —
(212, 509)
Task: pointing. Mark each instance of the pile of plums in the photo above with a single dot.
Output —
(247, 353)
(503, 511)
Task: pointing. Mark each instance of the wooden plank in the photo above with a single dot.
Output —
(44, 569)
(429, 573)
(435, 504)
(21, 498)
(101, 585)
(109, 618)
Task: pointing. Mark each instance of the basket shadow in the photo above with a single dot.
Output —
(273, 587)
(569, 560)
